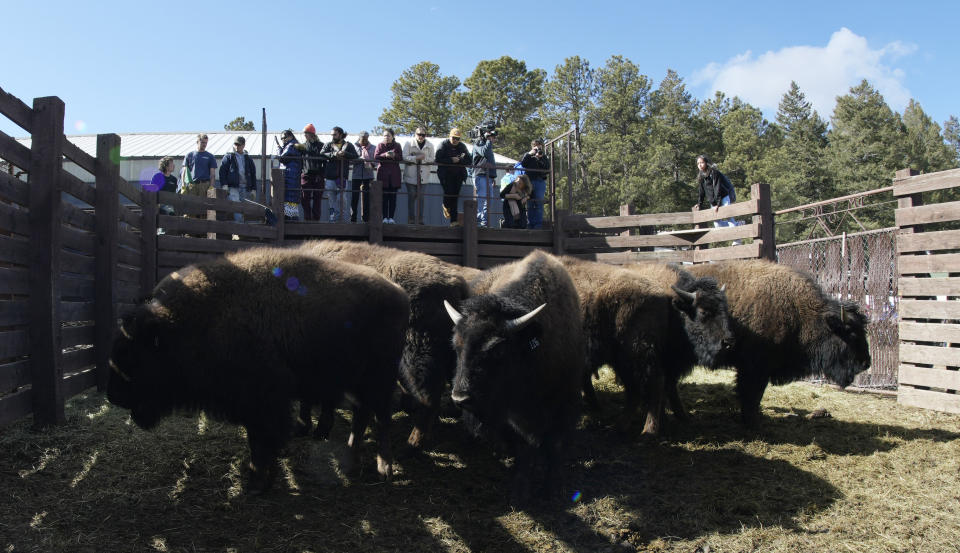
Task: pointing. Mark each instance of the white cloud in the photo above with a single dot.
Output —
(823, 73)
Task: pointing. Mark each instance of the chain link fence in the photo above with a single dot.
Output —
(861, 267)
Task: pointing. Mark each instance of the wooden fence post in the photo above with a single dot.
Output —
(375, 215)
(46, 166)
(558, 234)
(217, 215)
(276, 180)
(107, 226)
(764, 217)
(149, 242)
(469, 218)
(913, 200)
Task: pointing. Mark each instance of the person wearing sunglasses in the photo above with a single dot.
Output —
(453, 158)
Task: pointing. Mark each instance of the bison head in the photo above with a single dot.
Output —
(136, 363)
(843, 352)
(703, 309)
(495, 339)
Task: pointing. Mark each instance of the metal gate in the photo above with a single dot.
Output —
(861, 267)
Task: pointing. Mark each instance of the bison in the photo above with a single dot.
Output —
(648, 322)
(428, 358)
(786, 328)
(520, 361)
(244, 335)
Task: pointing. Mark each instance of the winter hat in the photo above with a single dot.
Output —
(310, 128)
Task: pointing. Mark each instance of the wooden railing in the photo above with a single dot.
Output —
(928, 249)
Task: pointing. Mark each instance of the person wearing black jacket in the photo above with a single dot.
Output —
(338, 153)
(238, 173)
(714, 189)
(537, 166)
(452, 159)
(311, 181)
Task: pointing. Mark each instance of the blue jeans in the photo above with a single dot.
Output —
(338, 199)
(484, 190)
(726, 222)
(238, 194)
(535, 204)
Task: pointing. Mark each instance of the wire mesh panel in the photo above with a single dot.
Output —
(861, 267)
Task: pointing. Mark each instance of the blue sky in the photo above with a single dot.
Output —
(189, 66)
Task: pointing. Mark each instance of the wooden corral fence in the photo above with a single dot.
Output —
(684, 237)
(928, 248)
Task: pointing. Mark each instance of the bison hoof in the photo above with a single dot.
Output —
(259, 481)
(416, 438)
(385, 468)
(301, 429)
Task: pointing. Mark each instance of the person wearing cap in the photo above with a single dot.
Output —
(238, 173)
(199, 169)
(311, 181)
(364, 169)
(537, 167)
(452, 161)
(338, 153)
(418, 154)
(290, 163)
(484, 174)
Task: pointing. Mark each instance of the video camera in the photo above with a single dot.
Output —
(482, 129)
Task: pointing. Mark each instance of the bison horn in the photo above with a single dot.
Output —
(689, 296)
(521, 321)
(455, 315)
(723, 288)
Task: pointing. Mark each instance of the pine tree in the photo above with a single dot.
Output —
(951, 134)
(239, 124)
(675, 144)
(747, 140)
(926, 150)
(421, 98)
(568, 97)
(505, 92)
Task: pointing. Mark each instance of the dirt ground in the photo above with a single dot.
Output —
(872, 476)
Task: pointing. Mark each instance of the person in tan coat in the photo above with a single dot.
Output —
(418, 153)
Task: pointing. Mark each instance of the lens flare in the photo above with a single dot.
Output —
(302, 290)
(115, 155)
(80, 125)
(293, 283)
(576, 496)
(277, 272)
(148, 181)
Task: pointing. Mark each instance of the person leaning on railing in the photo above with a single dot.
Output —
(290, 163)
(389, 154)
(311, 181)
(452, 161)
(238, 173)
(536, 165)
(364, 169)
(340, 154)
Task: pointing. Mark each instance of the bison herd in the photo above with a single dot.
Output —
(246, 336)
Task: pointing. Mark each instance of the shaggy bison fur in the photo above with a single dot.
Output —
(428, 358)
(647, 322)
(520, 361)
(786, 329)
(242, 336)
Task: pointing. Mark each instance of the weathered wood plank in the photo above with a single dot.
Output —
(17, 111)
(128, 274)
(429, 248)
(76, 217)
(13, 189)
(174, 224)
(14, 343)
(130, 191)
(929, 377)
(79, 240)
(78, 359)
(300, 231)
(130, 217)
(84, 160)
(186, 204)
(738, 209)
(14, 250)
(929, 332)
(182, 259)
(16, 221)
(927, 182)
(677, 239)
(14, 281)
(509, 250)
(79, 189)
(77, 382)
(907, 286)
(927, 399)
(14, 152)
(77, 287)
(623, 258)
(940, 263)
(14, 375)
(929, 309)
(578, 222)
(78, 264)
(536, 237)
(928, 241)
(78, 335)
(925, 214)
(14, 313)
(929, 355)
(129, 239)
(15, 406)
(167, 242)
(76, 311)
(469, 228)
(743, 251)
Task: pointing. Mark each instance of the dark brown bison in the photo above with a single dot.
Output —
(520, 361)
(786, 328)
(244, 335)
(647, 322)
(428, 358)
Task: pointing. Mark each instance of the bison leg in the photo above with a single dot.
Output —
(750, 388)
(589, 394)
(325, 420)
(304, 422)
(265, 446)
(384, 453)
(654, 405)
(673, 398)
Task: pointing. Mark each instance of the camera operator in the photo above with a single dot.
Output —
(484, 172)
(536, 165)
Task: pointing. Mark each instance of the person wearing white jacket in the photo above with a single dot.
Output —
(418, 153)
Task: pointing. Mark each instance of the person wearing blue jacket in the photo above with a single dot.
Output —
(484, 172)
(290, 162)
(238, 173)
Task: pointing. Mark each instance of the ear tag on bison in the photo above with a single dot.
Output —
(534, 343)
